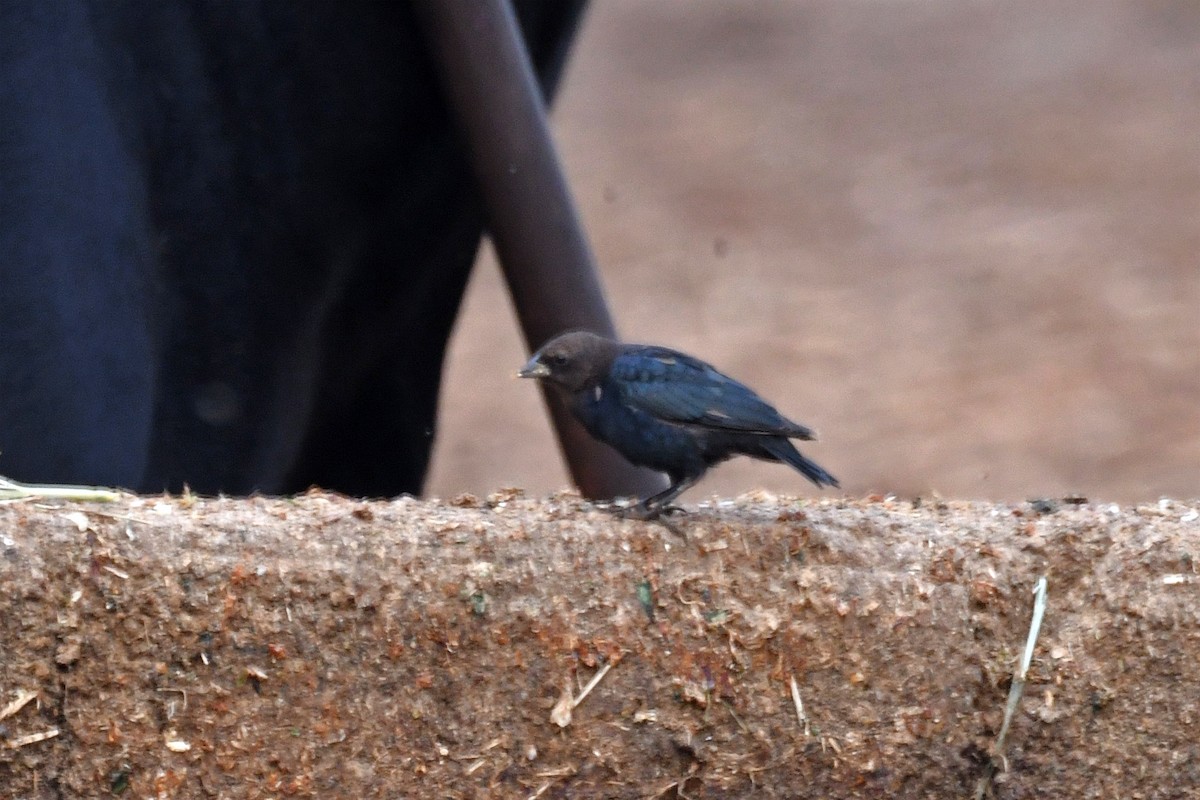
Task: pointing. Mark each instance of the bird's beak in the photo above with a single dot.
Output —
(534, 369)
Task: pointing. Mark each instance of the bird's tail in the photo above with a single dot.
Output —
(783, 450)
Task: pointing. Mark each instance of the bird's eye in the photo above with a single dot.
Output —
(558, 360)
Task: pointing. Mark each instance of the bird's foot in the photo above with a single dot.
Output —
(639, 511)
(643, 512)
(649, 512)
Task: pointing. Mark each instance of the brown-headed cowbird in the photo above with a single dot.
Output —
(665, 410)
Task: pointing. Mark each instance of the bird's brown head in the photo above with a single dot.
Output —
(573, 361)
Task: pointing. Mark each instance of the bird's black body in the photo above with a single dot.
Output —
(666, 410)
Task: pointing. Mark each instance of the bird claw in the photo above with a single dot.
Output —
(639, 512)
(644, 512)
(647, 512)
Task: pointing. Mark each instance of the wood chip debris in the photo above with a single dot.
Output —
(33, 738)
(799, 704)
(22, 700)
(560, 715)
(78, 519)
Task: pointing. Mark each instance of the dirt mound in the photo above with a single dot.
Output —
(325, 647)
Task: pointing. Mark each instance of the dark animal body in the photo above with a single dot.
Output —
(233, 241)
(666, 410)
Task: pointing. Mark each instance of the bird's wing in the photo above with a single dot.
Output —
(675, 387)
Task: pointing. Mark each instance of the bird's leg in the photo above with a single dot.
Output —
(653, 506)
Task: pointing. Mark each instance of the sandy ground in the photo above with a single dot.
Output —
(960, 240)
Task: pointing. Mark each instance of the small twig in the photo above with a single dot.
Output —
(117, 517)
(796, 701)
(22, 700)
(737, 719)
(560, 715)
(660, 792)
(32, 738)
(1016, 691)
(11, 490)
(591, 684)
(556, 775)
(1018, 687)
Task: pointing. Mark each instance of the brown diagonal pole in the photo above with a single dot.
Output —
(491, 89)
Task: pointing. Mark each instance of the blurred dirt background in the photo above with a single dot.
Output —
(962, 240)
(330, 648)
